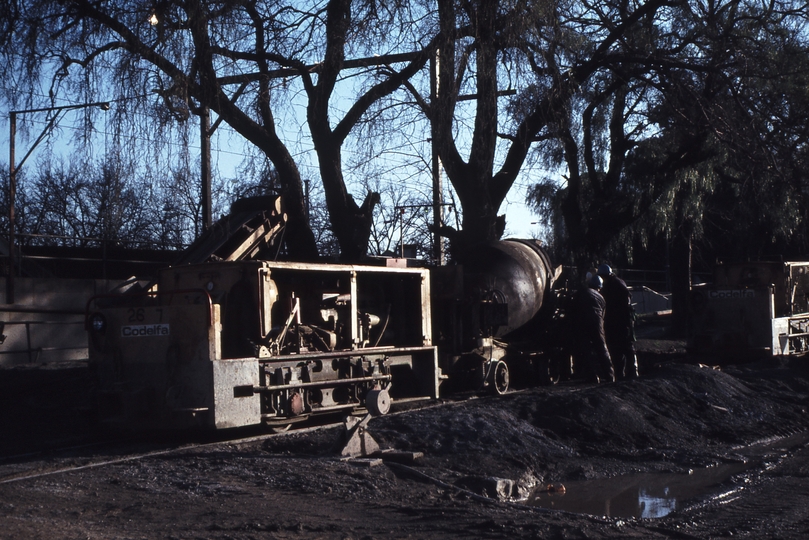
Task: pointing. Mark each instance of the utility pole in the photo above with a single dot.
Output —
(12, 197)
(12, 177)
(438, 197)
(205, 165)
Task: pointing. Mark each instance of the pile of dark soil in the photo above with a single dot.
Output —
(680, 416)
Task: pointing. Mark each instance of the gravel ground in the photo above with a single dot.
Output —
(695, 450)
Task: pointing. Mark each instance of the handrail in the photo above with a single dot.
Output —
(24, 309)
(29, 350)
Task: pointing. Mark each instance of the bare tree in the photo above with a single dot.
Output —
(612, 81)
(404, 219)
(543, 53)
(86, 203)
(697, 111)
(248, 62)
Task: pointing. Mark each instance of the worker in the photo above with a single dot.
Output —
(619, 323)
(588, 332)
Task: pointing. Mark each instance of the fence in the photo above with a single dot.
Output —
(656, 280)
(46, 322)
(30, 338)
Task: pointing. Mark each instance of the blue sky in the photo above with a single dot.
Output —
(228, 151)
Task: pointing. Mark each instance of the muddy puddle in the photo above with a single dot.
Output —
(655, 495)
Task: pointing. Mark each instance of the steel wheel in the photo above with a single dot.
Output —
(499, 378)
(378, 402)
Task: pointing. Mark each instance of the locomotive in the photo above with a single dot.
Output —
(228, 336)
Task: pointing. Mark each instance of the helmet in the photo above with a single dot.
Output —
(604, 270)
(595, 282)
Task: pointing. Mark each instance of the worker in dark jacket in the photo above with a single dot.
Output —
(619, 323)
(588, 332)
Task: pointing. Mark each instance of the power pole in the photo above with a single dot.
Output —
(438, 196)
(12, 196)
(12, 176)
(205, 165)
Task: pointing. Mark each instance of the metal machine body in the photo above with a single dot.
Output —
(228, 337)
(499, 319)
(752, 307)
(230, 344)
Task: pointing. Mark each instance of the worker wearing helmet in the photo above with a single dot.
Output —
(590, 347)
(619, 323)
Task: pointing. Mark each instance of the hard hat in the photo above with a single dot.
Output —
(604, 270)
(595, 282)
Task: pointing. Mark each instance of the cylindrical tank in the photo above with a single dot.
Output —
(509, 278)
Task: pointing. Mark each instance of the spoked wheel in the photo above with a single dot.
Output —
(564, 364)
(552, 369)
(499, 378)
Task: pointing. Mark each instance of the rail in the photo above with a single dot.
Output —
(33, 353)
(107, 253)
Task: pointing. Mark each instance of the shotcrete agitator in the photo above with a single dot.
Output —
(228, 336)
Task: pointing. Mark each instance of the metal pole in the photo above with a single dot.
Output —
(205, 167)
(438, 209)
(12, 177)
(12, 195)
(438, 198)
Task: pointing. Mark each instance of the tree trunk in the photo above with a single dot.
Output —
(680, 269)
(300, 240)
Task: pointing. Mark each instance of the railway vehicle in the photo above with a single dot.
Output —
(752, 308)
(228, 336)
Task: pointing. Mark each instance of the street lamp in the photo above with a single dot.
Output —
(12, 177)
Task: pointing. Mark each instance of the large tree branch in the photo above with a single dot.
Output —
(394, 81)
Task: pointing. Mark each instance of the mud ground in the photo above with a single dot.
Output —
(482, 461)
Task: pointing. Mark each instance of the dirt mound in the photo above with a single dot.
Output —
(678, 416)
(678, 402)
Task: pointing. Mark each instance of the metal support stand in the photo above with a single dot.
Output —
(360, 443)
